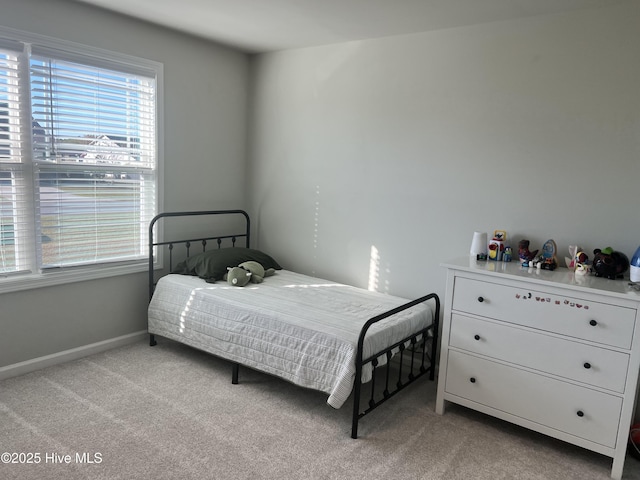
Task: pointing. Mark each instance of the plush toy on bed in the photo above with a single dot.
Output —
(247, 272)
(237, 276)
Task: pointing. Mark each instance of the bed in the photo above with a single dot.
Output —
(315, 333)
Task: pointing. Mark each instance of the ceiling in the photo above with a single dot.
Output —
(266, 25)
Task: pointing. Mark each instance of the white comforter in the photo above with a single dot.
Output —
(300, 328)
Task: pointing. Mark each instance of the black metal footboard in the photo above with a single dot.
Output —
(418, 346)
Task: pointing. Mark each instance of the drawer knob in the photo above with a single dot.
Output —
(481, 299)
(593, 323)
(587, 365)
(472, 379)
(477, 337)
(580, 413)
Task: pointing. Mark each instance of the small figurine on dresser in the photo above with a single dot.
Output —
(496, 245)
(570, 261)
(524, 254)
(581, 263)
(609, 263)
(546, 260)
(549, 260)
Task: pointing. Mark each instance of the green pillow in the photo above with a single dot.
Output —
(212, 264)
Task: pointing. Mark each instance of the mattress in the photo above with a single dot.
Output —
(299, 328)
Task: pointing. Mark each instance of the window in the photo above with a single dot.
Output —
(79, 162)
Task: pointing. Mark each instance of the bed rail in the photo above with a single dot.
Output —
(417, 346)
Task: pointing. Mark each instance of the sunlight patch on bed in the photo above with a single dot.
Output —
(185, 310)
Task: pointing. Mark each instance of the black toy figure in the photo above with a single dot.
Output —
(609, 263)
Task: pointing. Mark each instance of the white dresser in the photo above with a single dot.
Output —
(550, 351)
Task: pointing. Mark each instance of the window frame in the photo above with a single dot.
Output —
(38, 279)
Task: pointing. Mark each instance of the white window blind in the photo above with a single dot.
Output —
(94, 158)
(16, 254)
(78, 157)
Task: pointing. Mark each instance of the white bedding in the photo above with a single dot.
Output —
(300, 328)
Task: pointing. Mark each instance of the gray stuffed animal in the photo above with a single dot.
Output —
(246, 272)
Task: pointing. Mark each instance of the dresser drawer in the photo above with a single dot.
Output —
(593, 365)
(584, 319)
(569, 408)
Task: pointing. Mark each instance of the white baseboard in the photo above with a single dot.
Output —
(34, 364)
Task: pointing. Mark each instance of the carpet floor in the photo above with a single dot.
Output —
(171, 412)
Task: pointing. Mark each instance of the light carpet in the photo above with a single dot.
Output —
(171, 412)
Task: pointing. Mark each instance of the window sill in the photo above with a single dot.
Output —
(39, 280)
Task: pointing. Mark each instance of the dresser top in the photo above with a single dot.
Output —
(560, 277)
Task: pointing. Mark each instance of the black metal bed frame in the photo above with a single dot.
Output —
(417, 342)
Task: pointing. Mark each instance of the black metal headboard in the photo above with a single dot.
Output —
(188, 242)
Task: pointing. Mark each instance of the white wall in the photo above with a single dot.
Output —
(408, 144)
(204, 149)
